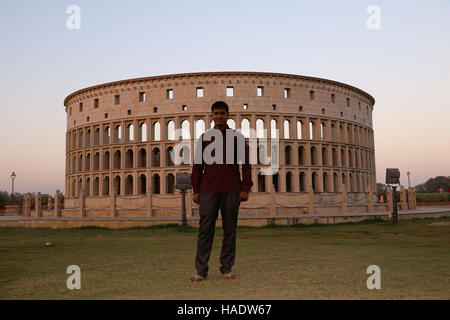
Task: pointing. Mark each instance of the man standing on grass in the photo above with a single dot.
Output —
(217, 184)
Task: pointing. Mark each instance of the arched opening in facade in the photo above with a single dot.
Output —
(155, 157)
(156, 131)
(96, 161)
(245, 128)
(299, 129)
(156, 183)
(311, 130)
(118, 134)
(170, 130)
(106, 186)
(274, 156)
(286, 129)
(261, 183)
(313, 156)
(324, 156)
(170, 183)
(334, 156)
(231, 123)
(129, 133)
(129, 185)
(350, 158)
(117, 185)
(142, 185)
(88, 187)
(273, 129)
(143, 132)
(169, 157)
(74, 164)
(106, 135)
(106, 160)
(129, 159)
(80, 140)
(288, 181)
(185, 155)
(142, 163)
(88, 138)
(80, 163)
(117, 159)
(287, 155)
(335, 182)
(73, 188)
(260, 129)
(96, 186)
(326, 182)
(315, 182)
(343, 163)
(185, 130)
(199, 128)
(302, 181)
(87, 164)
(97, 137)
(275, 182)
(301, 155)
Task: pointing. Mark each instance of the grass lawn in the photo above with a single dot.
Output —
(296, 262)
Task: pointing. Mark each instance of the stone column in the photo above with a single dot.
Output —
(26, 205)
(369, 199)
(149, 200)
(82, 205)
(113, 206)
(38, 205)
(342, 193)
(402, 198)
(57, 204)
(310, 200)
(50, 203)
(273, 200)
(389, 199)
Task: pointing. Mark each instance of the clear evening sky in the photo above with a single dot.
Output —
(405, 65)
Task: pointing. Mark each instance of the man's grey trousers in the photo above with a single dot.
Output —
(209, 208)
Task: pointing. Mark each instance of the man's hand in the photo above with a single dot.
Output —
(243, 196)
(195, 198)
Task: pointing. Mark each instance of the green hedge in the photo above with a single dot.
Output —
(432, 197)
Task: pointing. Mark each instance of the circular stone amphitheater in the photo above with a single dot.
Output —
(121, 137)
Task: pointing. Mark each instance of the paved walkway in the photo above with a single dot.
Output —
(421, 211)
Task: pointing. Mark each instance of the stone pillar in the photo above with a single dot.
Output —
(414, 197)
(342, 193)
(57, 204)
(82, 206)
(26, 205)
(369, 199)
(310, 200)
(189, 203)
(273, 205)
(402, 198)
(38, 205)
(389, 199)
(113, 203)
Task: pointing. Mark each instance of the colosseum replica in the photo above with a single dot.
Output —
(121, 138)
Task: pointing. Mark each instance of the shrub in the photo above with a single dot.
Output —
(432, 197)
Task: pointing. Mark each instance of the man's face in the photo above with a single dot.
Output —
(220, 116)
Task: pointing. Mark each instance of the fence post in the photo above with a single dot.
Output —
(369, 199)
(26, 205)
(38, 205)
(389, 199)
(310, 200)
(402, 198)
(57, 204)
(414, 198)
(342, 192)
(113, 203)
(82, 204)
(149, 202)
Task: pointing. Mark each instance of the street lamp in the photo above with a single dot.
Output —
(13, 176)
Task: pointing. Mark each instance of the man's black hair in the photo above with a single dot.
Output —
(219, 104)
